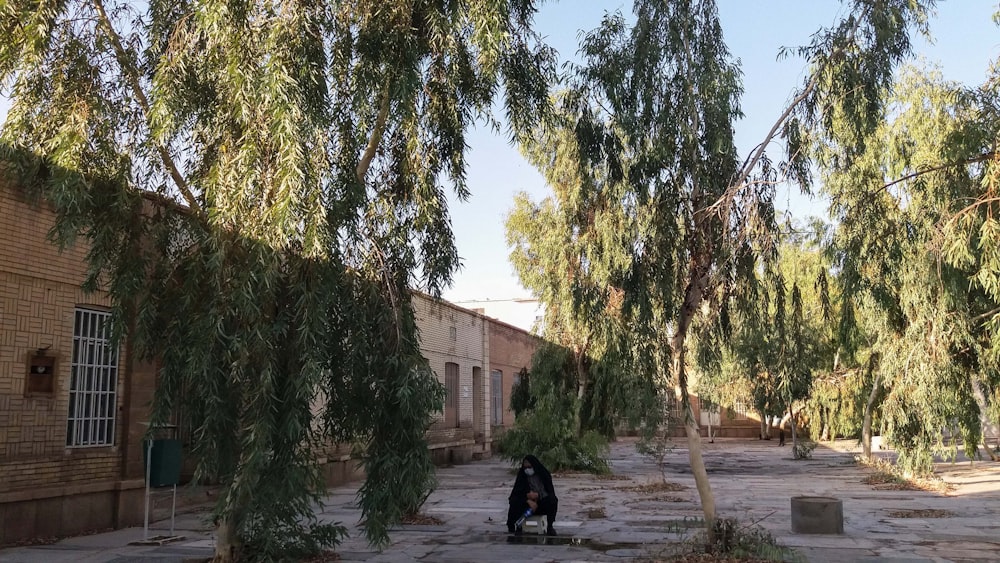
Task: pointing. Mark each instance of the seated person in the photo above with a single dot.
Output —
(532, 489)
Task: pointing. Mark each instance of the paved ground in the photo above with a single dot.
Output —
(635, 517)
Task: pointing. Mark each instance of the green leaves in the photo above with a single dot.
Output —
(258, 183)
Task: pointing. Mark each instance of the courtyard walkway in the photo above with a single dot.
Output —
(641, 513)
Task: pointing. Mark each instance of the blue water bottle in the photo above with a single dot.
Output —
(520, 521)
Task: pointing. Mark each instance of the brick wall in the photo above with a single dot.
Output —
(511, 350)
(39, 290)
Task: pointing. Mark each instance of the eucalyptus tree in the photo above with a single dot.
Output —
(566, 250)
(259, 182)
(654, 105)
(773, 335)
(918, 256)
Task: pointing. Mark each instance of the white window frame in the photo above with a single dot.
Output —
(93, 384)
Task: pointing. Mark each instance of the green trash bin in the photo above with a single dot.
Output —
(164, 467)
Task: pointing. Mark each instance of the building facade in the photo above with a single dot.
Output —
(71, 405)
(74, 408)
(455, 342)
(511, 349)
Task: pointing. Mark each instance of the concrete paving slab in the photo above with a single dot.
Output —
(753, 481)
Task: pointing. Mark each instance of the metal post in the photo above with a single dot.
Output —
(149, 469)
(173, 511)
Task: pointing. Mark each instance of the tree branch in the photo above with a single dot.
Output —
(918, 173)
(759, 153)
(377, 132)
(132, 75)
(986, 315)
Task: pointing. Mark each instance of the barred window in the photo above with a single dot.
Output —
(93, 388)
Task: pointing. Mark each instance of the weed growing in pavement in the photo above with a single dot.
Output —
(732, 541)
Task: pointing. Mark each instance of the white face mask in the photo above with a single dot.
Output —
(529, 471)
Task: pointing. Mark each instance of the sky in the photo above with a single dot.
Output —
(965, 40)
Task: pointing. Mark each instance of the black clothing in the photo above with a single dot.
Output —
(548, 504)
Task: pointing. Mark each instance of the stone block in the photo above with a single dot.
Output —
(817, 515)
(461, 455)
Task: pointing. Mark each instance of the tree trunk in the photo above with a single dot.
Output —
(866, 429)
(791, 422)
(692, 431)
(227, 544)
(581, 387)
(984, 420)
(711, 438)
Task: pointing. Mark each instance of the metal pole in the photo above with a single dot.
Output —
(173, 510)
(149, 468)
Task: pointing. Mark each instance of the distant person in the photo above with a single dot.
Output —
(532, 489)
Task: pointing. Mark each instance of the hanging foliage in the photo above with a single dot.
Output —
(258, 183)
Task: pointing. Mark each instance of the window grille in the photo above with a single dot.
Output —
(93, 389)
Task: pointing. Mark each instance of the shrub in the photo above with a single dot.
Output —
(554, 442)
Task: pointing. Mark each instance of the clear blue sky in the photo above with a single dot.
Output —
(965, 41)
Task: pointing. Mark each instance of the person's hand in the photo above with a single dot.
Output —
(533, 505)
(532, 495)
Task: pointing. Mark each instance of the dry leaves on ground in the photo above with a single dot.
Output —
(49, 540)
(921, 513)
(648, 488)
(421, 520)
(708, 558)
(323, 557)
(612, 477)
(657, 498)
(883, 481)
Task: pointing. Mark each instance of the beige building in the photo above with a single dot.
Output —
(455, 342)
(73, 407)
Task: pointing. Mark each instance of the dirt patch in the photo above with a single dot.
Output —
(651, 488)
(612, 477)
(421, 520)
(596, 513)
(921, 513)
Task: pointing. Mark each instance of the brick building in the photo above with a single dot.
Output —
(459, 343)
(511, 350)
(72, 408)
(454, 342)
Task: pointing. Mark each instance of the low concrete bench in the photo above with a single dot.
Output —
(817, 515)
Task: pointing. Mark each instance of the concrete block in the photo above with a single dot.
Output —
(817, 515)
